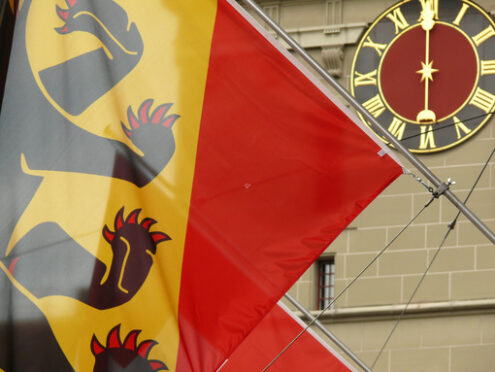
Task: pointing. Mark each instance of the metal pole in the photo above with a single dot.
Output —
(327, 333)
(385, 133)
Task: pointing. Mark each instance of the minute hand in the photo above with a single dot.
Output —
(427, 23)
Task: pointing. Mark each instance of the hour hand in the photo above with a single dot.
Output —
(426, 115)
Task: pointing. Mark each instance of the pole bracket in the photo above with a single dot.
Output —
(443, 188)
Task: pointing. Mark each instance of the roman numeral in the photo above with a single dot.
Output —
(484, 35)
(460, 15)
(365, 79)
(459, 126)
(374, 106)
(434, 6)
(371, 44)
(427, 140)
(483, 100)
(399, 21)
(488, 67)
(397, 128)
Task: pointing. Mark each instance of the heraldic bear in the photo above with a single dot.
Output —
(35, 115)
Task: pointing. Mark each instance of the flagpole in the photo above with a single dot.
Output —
(327, 333)
(442, 188)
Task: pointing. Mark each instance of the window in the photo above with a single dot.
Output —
(326, 282)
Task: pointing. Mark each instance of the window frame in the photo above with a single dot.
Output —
(326, 282)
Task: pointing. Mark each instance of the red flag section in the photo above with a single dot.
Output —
(280, 172)
(277, 329)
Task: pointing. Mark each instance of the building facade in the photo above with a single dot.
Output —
(450, 324)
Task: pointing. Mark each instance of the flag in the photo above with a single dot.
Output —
(277, 329)
(167, 173)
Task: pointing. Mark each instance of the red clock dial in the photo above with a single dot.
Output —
(452, 54)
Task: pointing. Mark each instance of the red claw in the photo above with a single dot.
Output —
(12, 265)
(63, 13)
(119, 219)
(159, 113)
(127, 132)
(62, 30)
(133, 216)
(108, 235)
(96, 347)
(159, 237)
(130, 341)
(113, 341)
(170, 120)
(145, 348)
(147, 222)
(158, 365)
(143, 111)
(132, 119)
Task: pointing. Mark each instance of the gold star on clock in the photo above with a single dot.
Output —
(427, 71)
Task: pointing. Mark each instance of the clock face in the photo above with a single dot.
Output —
(425, 69)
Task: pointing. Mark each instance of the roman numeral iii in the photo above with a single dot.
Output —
(375, 106)
(483, 100)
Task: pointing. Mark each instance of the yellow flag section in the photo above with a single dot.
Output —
(82, 204)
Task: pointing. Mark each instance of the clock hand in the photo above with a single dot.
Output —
(429, 13)
(427, 23)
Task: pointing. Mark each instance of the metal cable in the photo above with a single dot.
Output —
(420, 180)
(411, 298)
(450, 228)
(317, 317)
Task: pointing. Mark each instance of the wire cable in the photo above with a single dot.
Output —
(450, 227)
(411, 298)
(420, 180)
(329, 305)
